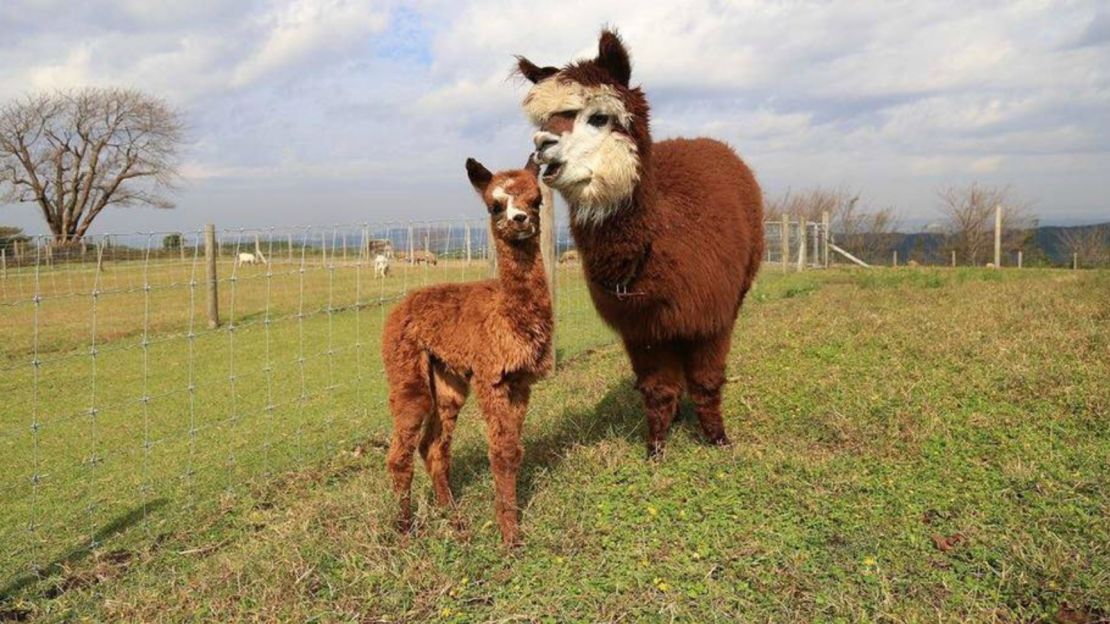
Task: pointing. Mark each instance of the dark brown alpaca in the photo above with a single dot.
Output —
(670, 233)
(494, 336)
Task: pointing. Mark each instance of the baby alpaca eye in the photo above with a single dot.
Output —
(598, 120)
(497, 207)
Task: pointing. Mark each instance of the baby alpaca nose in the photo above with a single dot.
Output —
(520, 217)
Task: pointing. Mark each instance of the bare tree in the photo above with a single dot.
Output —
(76, 153)
(868, 233)
(969, 215)
(1091, 244)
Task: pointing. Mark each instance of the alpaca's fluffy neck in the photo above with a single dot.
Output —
(521, 276)
(614, 248)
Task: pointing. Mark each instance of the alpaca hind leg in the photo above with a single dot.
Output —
(435, 446)
(658, 371)
(705, 377)
(411, 404)
(504, 407)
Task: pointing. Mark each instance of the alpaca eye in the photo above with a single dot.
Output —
(497, 207)
(598, 120)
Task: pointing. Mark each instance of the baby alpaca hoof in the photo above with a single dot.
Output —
(403, 524)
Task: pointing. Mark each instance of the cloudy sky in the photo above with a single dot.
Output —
(344, 111)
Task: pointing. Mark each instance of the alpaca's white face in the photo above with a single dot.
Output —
(589, 157)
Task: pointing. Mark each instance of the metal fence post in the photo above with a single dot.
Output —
(210, 251)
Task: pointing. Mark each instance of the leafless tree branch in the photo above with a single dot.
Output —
(75, 153)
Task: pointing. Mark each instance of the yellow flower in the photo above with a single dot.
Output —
(445, 612)
(870, 561)
(652, 510)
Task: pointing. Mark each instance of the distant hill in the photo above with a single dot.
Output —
(1046, 246)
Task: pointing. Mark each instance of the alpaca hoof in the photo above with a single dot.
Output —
(719, 440)
(656, 450)
(403, 524)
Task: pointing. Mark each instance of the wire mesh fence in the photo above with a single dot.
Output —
(147, 375)
(127, 406)
(795, 244)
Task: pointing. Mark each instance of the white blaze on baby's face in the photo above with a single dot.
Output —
(511, 210)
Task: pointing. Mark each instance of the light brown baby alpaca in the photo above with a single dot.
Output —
(494, 336)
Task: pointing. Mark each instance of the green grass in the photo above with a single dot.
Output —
(873, 412)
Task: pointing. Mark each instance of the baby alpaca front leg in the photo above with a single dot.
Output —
(504, 406)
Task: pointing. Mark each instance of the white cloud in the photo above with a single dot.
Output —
(367, 98)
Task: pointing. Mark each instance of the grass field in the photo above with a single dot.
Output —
(910, 445)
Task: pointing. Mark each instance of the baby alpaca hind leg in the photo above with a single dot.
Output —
(410, 401)
(504, 406)
(435, 445)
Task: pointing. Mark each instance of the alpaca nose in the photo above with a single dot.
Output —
(543, 140)
(520, 217)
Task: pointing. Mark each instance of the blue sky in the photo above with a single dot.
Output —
(342, 111)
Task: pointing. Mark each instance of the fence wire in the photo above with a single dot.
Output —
(126, 415)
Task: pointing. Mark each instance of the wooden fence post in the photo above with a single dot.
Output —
(468, 244)
(4, 263)
(953, 258)
(412, 248)
(548, 247)
(1019, 258)
(998, 236)
(210, 251)
(801, 242)
(785, 243)
(894, 259)
(825, 239)
(1074, 261)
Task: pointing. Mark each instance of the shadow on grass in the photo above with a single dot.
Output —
(113, 528)
(617, 415)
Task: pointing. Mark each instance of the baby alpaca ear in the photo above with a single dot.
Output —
(479, 175)
(534, 73)
(613, 57)
(532, 166)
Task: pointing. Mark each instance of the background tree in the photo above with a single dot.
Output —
(76, 153)
(867, 233)
(9, 236)
(1091, 244)
(968, 212)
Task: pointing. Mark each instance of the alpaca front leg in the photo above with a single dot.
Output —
(504, 409)
(659, 379)
(705, 378)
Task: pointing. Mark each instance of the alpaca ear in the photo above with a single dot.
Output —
(534, 73)
(479, 175)
(613, 57)
(532, 166)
